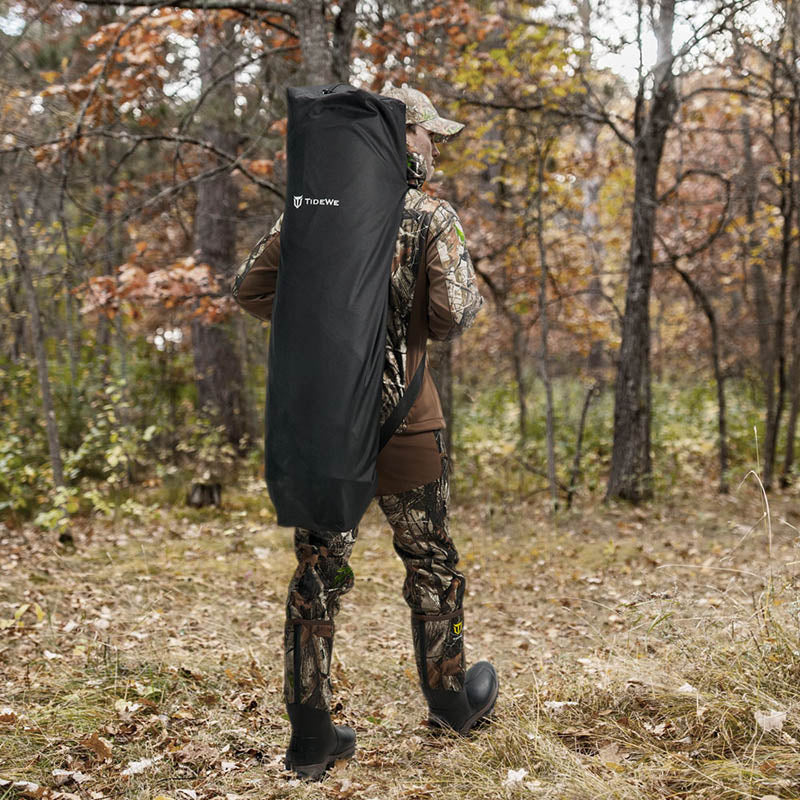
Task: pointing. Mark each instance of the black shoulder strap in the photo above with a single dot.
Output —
(400, 411)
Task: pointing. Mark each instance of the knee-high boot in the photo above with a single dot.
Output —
(316, 743)
(457, 698)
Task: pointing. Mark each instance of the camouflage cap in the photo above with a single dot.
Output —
(420, 111)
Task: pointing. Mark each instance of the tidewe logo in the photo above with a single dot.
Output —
(300, 200)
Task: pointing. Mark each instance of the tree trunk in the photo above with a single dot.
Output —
(518, 354)
(326, 59)
(631, 475)
(313, 34)
(343, 29)
(787, 210)
(702, 300)
(794, 369)
(591, 392)
(763, 306)
(794, 384)
(544, 330)
(107, 180)
(73, 337)
(37, 335)
(589, 131)
(16, 319)
(218, 372)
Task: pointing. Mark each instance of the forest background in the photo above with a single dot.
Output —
(634, 230)
(628, 180)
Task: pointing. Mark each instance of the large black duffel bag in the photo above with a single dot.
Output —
(346, 158)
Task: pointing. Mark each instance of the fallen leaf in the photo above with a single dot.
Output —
(609, 753)
(196, 753)
(27, 789)
(658, 730)
(770, 720)
(100, 747)
(514, 777)
(558, 705)
(137, 767)
(126, 706)
(63, 776)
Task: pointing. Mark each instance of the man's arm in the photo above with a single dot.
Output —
(253, 286)
(453, 296)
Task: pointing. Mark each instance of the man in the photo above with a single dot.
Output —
(433, 294)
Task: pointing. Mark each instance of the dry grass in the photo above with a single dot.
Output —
(636, 649)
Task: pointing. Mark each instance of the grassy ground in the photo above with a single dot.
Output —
(649, 653)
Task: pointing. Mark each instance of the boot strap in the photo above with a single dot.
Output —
(437, 617)
(320, 627)
(421, 619)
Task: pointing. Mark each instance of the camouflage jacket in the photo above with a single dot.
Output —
(430, 244)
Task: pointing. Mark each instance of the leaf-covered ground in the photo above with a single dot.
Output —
(650, 653)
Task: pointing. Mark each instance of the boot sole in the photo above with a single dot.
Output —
(315, 772)
(479, 716)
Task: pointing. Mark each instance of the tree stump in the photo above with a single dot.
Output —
(204, 494)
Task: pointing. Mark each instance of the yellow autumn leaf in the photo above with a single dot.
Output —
(49, 75)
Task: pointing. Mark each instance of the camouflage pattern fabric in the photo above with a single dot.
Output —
(321, 578)
(426, 222)
(254, 255)
(434, 590)
(421, 111)
(409, 251)
(451, 247)
(416, 169)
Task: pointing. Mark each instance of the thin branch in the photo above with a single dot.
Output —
(17, 38)
(201, 5)
(232, 71)
(107, 60)
(593, 115)
(234, 161)
(721, 90)
(687, 173)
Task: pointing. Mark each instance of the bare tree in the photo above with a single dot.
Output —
(19, 226)
(631, 468)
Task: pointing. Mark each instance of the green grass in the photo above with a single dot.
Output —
(490, 456)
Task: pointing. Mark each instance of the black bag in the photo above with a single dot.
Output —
(346, 157)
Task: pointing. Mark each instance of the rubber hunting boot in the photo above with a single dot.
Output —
(440, 660)
(316, 743)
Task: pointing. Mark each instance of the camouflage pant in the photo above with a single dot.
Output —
(433, 589)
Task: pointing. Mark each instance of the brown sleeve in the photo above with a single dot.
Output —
(253, 287)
